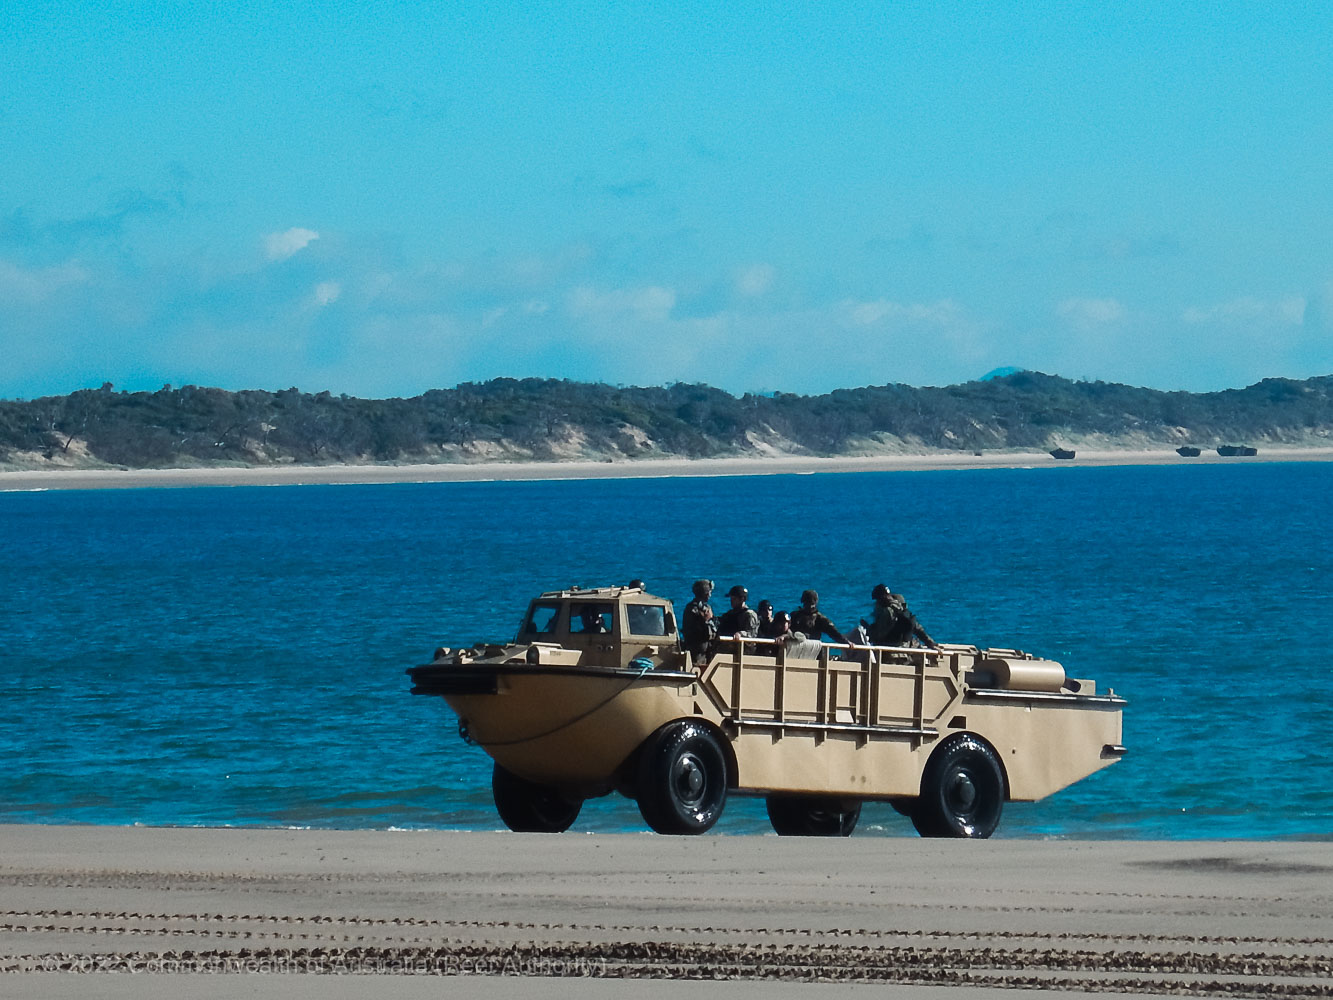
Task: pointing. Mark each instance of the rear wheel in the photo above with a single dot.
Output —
(812, 816)
(526, 807)
(962, 790)
(682, 779)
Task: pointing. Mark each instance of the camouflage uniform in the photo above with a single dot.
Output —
(894, 625)
(697, 632)
(796, 644)
(738, 621)
(815, 624)
(741, 619)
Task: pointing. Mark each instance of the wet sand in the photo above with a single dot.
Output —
(293, 475)
(264, 912)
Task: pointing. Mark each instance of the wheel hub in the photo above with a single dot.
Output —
(689, 778)
(962, 794)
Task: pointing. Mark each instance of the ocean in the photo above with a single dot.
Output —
(235, 656)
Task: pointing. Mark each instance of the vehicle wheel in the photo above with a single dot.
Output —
(962, 790)
(682, 779)
(526, 807)
(812, 816)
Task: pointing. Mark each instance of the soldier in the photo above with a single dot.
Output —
(795, 643)
(766, 628)
(740, 620)
(892, 624)
(591, 617)
(810, 620)
(698, 628)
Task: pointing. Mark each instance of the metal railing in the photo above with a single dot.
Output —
(767, 689)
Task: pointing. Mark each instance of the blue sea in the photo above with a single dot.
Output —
(235, 656)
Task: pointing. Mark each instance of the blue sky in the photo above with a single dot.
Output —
(379, 199)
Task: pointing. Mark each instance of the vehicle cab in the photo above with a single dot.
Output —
(604, 626)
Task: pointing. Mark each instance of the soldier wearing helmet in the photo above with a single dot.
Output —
(811, 621)
(766, 627)
(740, 620)
(698, 628)
(795, 643)
(893, 624)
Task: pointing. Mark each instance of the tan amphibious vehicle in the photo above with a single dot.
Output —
(596, 694)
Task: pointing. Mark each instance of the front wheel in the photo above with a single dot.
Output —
(682, 779)
(526, 807)
(962, 790)
(812, 816)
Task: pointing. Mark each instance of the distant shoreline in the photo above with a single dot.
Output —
(306, 475)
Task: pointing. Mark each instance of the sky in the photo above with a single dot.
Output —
(379, 199)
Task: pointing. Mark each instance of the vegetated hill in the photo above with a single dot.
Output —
(546, 419)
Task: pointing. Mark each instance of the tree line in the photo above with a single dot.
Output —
(551, 420)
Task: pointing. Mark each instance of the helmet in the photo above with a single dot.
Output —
(738, 591)
(880, 591)
(765, 605)
(809, 598)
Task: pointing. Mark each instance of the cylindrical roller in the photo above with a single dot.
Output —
(1026, 675)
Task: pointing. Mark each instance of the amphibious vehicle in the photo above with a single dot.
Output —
(596, 694)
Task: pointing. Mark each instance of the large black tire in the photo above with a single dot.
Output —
(812, 816)
(525, 807)
(962, 790)
(682, 779)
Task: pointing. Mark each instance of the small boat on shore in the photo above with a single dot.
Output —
(1237, 451)
(1061, 453)
(1187, 451)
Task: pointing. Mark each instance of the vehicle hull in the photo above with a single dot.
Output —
(571, 729)
(795, 726)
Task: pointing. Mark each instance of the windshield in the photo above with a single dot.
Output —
(646, 619)
(591, 618)
(542, 620)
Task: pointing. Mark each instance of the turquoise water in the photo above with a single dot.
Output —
(235, 656)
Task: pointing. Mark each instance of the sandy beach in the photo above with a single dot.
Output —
(236, 912)
(296, 475)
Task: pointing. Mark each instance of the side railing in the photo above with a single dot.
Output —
(852, 689)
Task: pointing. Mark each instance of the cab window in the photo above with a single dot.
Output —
(646, 619)
(591, 618)
(542, 620)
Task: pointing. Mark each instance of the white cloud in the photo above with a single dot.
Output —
(29, 286)
(942, 313)
(755, 280)
(871, 342)
(1248, 310)
(1090, 312)
(327, 292)
(532, 307)
(651, 302)
(540, 270)
(280, 246)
